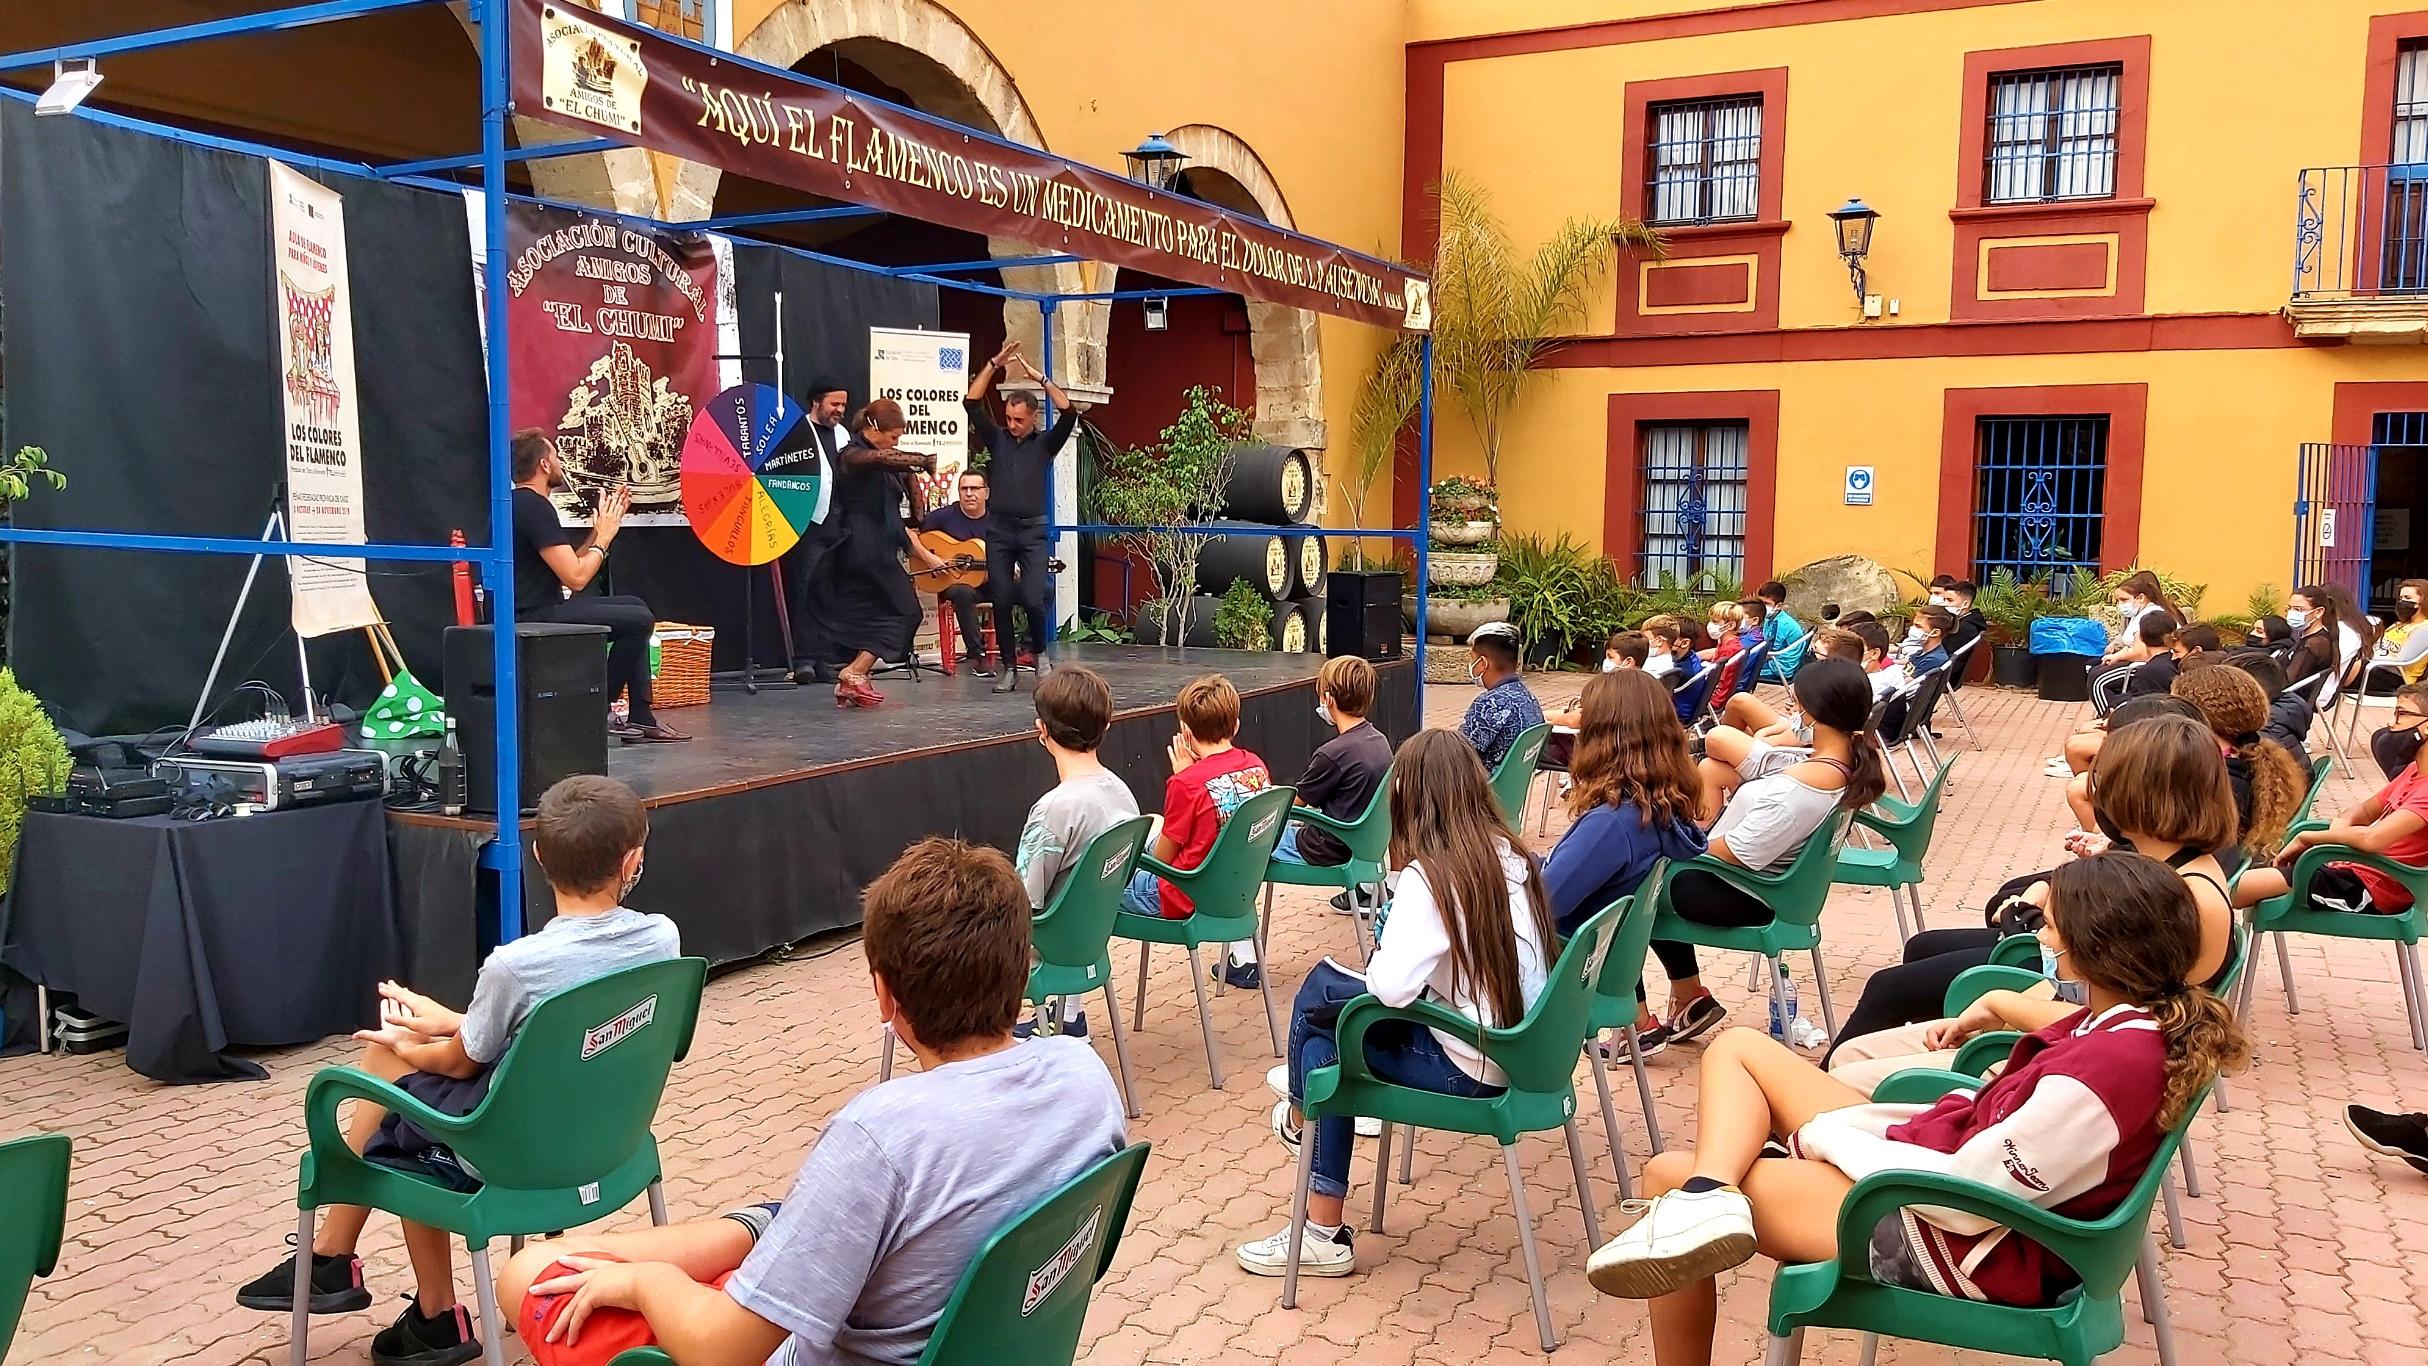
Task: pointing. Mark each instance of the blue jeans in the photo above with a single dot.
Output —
(1141, 897)
(1397, 1051)
(1287, 850)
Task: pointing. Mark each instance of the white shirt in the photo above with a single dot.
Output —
(1413, 960)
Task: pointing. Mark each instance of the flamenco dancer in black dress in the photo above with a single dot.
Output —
(866, 607)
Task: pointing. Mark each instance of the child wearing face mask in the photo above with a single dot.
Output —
(1924, 648)
(1345, 771)
(2403, 645)
(588, 841)
(2393, 823)
(1624, 650)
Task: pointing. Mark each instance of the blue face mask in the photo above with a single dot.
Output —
(2072, 993)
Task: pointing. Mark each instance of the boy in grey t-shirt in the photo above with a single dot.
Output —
(589, 841)
(908, 1181)
(1074, 709)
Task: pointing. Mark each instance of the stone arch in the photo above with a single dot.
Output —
(1284, 341)
(618, 181)
(919, 47)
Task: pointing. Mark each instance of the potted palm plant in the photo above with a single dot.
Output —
(2010, 606)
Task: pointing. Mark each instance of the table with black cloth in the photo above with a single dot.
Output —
(205, 936)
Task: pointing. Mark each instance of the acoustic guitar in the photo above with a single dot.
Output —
(964, 563)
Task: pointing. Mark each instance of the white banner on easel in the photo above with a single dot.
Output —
(323, 422)
(928, 373)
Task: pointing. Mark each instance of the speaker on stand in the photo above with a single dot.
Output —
(562, 673)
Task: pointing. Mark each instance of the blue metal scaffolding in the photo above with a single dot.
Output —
(504, 854)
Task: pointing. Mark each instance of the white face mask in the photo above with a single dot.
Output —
(1475, 671)
(1913, 635)
(1609, 665)
(2297, 618)
(1324, 710)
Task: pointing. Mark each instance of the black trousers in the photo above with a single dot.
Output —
(1015, 577)
(1704, 899)
(629, 622)
(963, 599)
(1916, 989)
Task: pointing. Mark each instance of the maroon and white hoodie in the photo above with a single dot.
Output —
(2069, 1126)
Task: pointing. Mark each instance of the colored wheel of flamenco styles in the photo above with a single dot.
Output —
(753, 480)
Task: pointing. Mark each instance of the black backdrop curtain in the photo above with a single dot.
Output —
(140, 354)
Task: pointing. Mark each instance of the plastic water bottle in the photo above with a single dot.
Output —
(1781, 1026)
(452, 794)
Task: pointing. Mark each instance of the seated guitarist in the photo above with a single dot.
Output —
(964, 519)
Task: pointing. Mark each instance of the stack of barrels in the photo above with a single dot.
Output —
(1263, 540)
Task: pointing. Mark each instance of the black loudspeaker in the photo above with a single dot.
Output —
(562, 670)
(1362, 613)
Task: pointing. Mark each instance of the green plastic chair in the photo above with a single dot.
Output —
(599, 1052)
(1907, 827)
(1369, 841)
(1024, 1297)
(2078, 1330)
(1513, 777)
(1614, 1007)
(33, 1216)
(1539, 1055)
(1222, 894)
(2289, 914)
(1795, 895)
(1071, 940)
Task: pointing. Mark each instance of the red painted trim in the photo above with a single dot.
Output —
(2067, 265)
(1421, 144)
(1757, 237)
(1653, 28)
(1683, 284)
(2127, 408)
(2016, 337)
(2126, 213)
(1622, 488)
(2358, 404)
(2387, 34)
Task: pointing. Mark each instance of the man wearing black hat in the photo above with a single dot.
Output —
(828, 402)
(1020, 460)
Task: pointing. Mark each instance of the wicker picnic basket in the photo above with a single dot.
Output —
(683, 663)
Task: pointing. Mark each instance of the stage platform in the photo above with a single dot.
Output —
(766, 825)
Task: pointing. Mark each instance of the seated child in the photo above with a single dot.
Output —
(589, 836)
(1074, 709)
(2070, 1125)
(1345, 771)
(1752, 717)
(2394, 823)
(1504, 710)
(1787, 637)
(1672, 645)
(904, 1185)
(1925, 646)
(1624, 650)
(1211, 777)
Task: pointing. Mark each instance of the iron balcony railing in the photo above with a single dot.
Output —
(2361, 232)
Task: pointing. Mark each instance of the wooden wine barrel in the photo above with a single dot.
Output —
(1269, 484)
(1151, 629)
(1311, 611)
(1258, 554)
(1308, 558)
(1289, 629)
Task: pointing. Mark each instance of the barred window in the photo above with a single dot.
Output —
(2410, 105)
(1694, 499)
(2052, 134)
(1704, 163)
(2039, 492)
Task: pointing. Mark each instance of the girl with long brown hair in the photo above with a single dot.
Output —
(1631, 799)
(2070, 1124)
(1468, 927)
(2317, 631)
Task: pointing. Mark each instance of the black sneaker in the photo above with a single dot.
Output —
(1076, 1027)
(1614, 1052)
(2395, 1135)
(1245, 976)
(1696, 1020)
(981, 671)
(1366, 901)
(447, 1340)
(337, 1286)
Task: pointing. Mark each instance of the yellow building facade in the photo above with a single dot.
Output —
(2085, 336)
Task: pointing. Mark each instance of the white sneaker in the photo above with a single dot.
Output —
(1278, 1078)
(1286, 1126)
(1681, 1239)
(1317, 1255)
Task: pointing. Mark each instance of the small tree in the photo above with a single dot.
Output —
(1386, 399)
(1177, 481)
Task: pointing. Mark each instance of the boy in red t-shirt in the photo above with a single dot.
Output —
(2393, 823)
(1211, 776)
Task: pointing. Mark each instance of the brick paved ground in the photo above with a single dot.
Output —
(2303, 1248)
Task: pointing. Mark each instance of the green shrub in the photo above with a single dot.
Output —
(1243, 620)
(1561, 595)
(32, 759)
